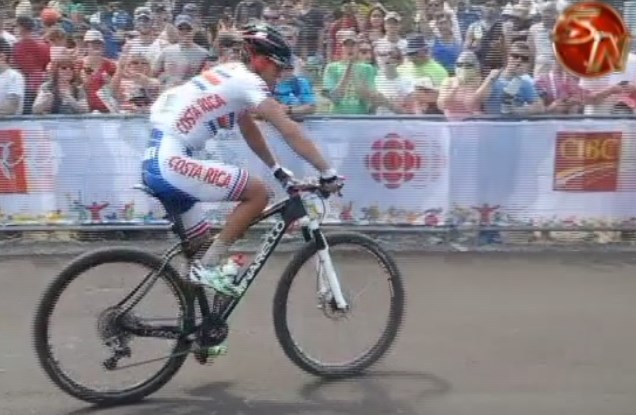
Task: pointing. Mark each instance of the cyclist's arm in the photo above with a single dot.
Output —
(270, 110)
(255, 139)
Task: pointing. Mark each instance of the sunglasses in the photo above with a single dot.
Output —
(184, 28)
(138, 62)
(364, 50)
(465, 65)
(63, 67)
(523, 58)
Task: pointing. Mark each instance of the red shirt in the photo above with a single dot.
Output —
(31, 57)
(96, 80)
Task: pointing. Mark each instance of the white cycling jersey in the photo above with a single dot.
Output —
(195, 111)
(183, 118)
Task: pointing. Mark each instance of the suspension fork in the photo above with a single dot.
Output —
(328, 285)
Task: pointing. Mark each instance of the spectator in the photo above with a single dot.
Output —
(446, 48)
(458, 92)
(346, 20)
(58, 42)
(63, 93)
(424, 99)
(12, 84)
(466, 15)
(310, 36)
(486, 39)
(296, 93)
(77, 47)
(5, 34)
(160, 17)
(226, 22)
(290, 33)
(349, 83)
(560, 92)
(420, 63)
(506, 91)
(30, 57)
(374, 28)
(229, 46)
(434, 10)
(132, 76)
(516, 28)
(365, 55)
(391, 39)
(288, 13)
(200, 35)
(96, 71)
(143, 25)
(180, 62)
(539, 39)
(248, 9)
(393, 87)
(24, 8)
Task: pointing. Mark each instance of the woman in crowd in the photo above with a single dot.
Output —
(366, 55)
(96, 71)
(63, 93)
(374, 28)
(456, 92)
(133, 78)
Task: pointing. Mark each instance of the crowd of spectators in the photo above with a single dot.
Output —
(451, 58)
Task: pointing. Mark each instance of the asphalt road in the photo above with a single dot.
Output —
(485, 333)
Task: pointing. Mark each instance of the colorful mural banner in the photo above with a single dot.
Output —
(405, 172)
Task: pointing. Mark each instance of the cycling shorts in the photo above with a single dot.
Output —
(183, 182)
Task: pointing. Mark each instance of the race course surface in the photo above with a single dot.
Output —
(484, 334)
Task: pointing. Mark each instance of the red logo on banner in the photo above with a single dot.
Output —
(12, 169)
(587, 162)
(394, 161)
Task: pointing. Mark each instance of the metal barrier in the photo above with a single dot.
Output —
(405, 173)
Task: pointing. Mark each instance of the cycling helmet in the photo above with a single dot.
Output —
(263, 39)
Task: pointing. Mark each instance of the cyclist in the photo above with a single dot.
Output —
(184, 117)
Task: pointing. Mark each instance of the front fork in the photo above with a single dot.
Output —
(327, 283)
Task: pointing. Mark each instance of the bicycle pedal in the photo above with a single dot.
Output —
(206, 355)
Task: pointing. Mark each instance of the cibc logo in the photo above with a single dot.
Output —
(587, 161)
(591, 40)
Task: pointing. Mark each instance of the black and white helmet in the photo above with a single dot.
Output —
(263, 39)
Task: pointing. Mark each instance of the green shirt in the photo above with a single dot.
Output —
(430, 69)
(351, 102)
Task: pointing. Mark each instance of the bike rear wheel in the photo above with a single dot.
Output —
(49, 302)
(297, 353)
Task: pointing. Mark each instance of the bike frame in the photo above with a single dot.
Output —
(292, 209)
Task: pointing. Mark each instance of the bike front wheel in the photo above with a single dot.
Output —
(350, 264)
(95, 303)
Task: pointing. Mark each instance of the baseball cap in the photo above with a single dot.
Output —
(344, 35)
(393, 16)
(416, 43)
(190, 8)
(183, 19)
(93, 36)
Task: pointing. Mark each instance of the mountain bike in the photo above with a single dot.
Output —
(118, 324)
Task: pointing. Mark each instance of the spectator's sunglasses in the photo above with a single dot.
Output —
(138, 62)
(185, 28)
(523, 58)
(365, 49)
(465, 65)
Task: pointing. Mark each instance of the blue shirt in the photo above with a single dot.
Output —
(446, 54)
(526, 94)
(296, 90)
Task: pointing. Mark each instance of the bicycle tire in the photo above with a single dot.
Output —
(386, 340)
(52, 295)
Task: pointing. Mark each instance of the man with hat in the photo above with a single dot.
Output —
(420, 63)
(143, 26)
(349, 83)
(383, 46)
(179, 62)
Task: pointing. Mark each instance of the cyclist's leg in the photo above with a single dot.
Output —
(212, 181)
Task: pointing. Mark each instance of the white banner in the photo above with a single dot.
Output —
(76, 171)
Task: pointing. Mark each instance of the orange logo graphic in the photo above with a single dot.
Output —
(587, 162)
(12, 169)
(591, 40)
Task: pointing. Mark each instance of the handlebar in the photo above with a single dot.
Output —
(313, 185)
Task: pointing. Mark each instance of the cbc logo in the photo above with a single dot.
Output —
(598, 149)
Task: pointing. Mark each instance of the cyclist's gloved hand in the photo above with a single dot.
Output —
(331, 182)
(284, 176)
